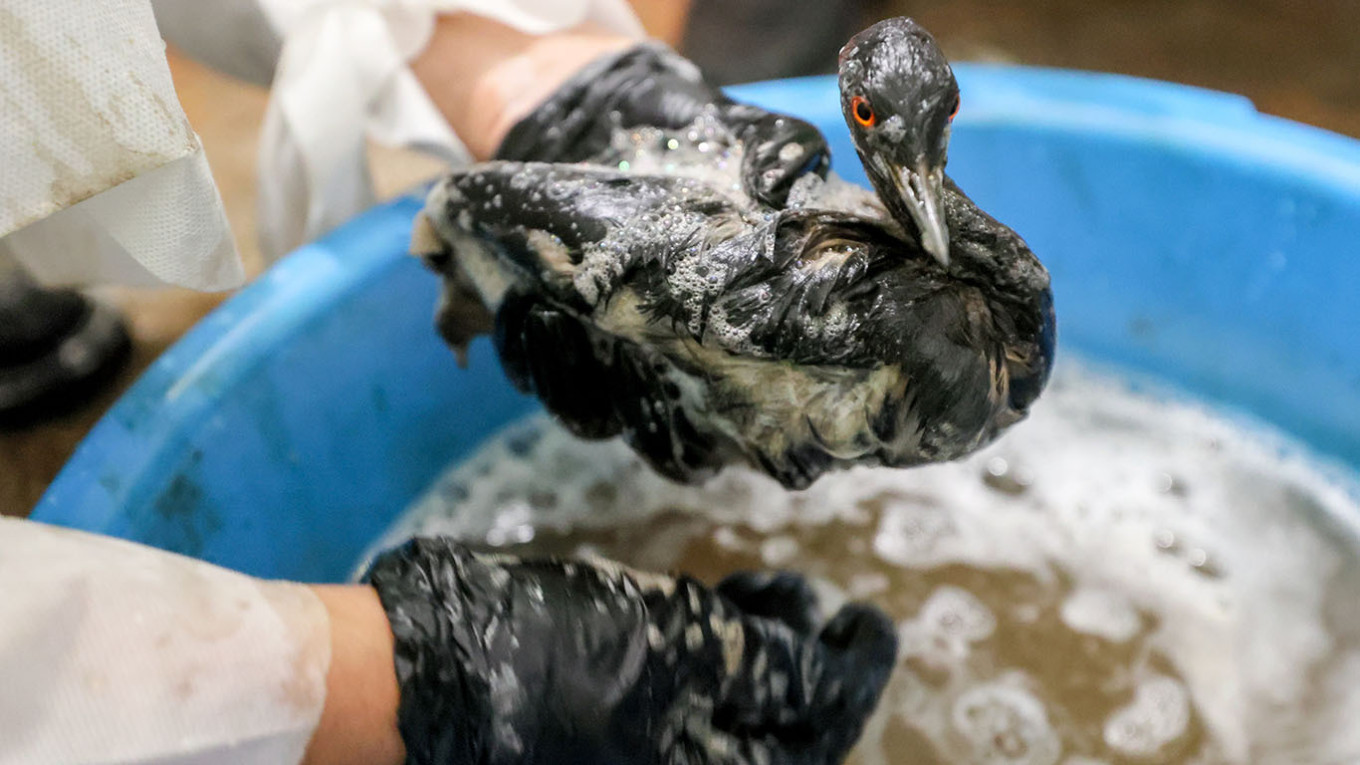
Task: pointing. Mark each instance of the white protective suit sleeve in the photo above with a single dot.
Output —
(342, 77)
(103, 178)
(115, 652)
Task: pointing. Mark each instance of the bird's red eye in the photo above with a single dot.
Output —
(864, 113)
(954, 112)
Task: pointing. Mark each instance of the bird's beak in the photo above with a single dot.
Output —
(922, 187)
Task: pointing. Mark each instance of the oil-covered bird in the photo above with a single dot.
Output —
(654, 294)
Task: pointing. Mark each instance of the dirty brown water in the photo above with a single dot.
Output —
(1127, 577)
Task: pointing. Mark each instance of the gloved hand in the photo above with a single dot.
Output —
(650, 85)
(508, 661)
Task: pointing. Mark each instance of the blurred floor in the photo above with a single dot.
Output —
(1297, 60)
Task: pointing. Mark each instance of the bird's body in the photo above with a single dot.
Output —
(647, 294)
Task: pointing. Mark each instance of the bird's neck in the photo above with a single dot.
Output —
(982, 250)
(988, 253)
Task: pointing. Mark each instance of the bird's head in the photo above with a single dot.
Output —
(899, 97)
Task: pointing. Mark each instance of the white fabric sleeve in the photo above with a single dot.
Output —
(103, 178)
(115, 652)
(342, 78)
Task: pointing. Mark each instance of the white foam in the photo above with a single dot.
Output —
(1101, 612)
(1004, 724)
(779, 551)
(958, 616)
(1158, 715)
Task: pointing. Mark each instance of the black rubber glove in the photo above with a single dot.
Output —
(509, 661)
(650, 85)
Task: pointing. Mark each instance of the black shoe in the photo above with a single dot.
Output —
(57, 347)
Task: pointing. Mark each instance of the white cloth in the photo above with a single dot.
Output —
(103, 178)
(112, 652)
(342, 77)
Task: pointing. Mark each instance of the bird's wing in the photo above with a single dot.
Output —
(827, 274)
(551, 249)
(576, 232)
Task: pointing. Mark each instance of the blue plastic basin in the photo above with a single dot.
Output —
(1188, 236)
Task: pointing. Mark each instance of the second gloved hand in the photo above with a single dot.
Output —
(652, 86)
(508, 661)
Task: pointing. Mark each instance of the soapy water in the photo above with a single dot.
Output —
(1127, 577)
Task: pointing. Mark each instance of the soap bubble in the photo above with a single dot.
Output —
(1005, 725)
(955, 614)
(1158, 715)
(1101, 612)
